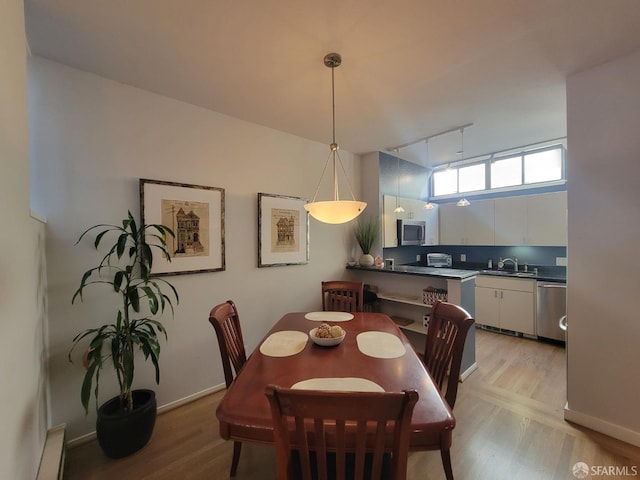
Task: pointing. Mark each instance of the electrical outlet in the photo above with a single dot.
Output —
(418, 257)
(561, 261)
(463, 257)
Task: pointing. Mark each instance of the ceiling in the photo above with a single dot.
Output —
(411, 68)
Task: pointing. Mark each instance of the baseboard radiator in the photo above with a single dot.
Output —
(53, 455)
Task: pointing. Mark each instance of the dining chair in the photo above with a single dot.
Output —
(226, 322)
(342, 296)
(446, 336)
(329, 434)
(370, 301)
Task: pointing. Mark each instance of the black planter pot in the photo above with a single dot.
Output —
(121, 434)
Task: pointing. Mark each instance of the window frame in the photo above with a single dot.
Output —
(487, 160)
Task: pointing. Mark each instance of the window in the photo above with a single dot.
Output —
(506, 172)
(511, 171)
(445, 182)
(471, 178)
(543, 166)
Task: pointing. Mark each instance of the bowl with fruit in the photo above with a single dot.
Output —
(327, 335)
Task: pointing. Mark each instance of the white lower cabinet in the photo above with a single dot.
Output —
(506, 303)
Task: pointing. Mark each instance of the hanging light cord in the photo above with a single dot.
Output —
(428, 205)
(334, 146)
(397, 178)
(463, 202)
(398, 208)
(333, 109)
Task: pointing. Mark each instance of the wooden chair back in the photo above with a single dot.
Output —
(446, 336)
(226, 322)
(355, 429)
(342, 296)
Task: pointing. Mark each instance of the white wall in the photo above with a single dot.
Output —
(22, 371)
(604, 237)
(92, 140)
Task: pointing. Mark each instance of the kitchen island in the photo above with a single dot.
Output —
(400, 291)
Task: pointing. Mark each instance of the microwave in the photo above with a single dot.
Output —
(411, 232)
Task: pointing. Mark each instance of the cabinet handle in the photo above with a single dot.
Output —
(495, 294)
(501, 294)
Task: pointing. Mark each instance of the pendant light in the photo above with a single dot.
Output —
(398, 208)
(463, 202)
(334, 211)
(428, 205)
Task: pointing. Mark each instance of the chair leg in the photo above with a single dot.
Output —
(237, 446)
(446, 463)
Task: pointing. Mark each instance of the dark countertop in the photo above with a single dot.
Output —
(449, 273)
(544, 275)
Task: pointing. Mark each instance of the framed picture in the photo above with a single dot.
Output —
(283, 231)
(195, 213)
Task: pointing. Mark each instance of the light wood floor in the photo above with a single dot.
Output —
(509, 426)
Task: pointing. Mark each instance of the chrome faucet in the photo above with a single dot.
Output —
(501, 263)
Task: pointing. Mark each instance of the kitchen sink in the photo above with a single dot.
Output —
(508, 273)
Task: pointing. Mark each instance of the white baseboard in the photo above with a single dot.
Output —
(468, 371)
(53, 455)
(161, 409)
(602, 426)
(190, 398)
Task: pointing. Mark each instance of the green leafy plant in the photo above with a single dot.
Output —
(126, 269)
(366, 232)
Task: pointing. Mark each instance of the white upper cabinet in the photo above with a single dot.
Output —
(538, 220)
(510, 221)
(470, 225)
(433, 231)
(547, 219)
(389, 217)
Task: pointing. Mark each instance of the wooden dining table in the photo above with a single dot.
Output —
(244, 413)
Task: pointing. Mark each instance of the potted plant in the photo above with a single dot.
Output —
(125, 423)
(366, 233)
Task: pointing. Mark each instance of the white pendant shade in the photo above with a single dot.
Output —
(337, 211)
(334, 211)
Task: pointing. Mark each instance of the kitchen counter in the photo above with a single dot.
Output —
(447, 273)
(544, 274)
(400, 291)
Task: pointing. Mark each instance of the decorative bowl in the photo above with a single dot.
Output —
(326, 342)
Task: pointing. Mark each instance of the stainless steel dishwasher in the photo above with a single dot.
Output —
(551, 307)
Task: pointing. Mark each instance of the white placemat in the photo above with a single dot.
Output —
(284, 343)
(380, 345)
(343, 384)
(329, 316)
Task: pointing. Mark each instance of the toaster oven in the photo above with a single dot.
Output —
(438, 260)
